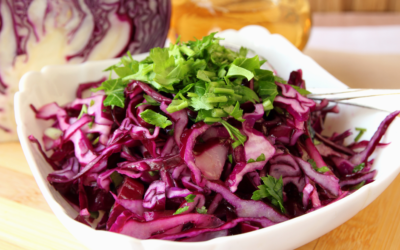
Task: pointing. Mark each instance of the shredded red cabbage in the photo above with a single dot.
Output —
(187, 182)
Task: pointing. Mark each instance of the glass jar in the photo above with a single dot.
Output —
(197, 18)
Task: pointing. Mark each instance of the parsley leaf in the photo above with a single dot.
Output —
(199, 46)
(272, 189)
(202, 114)
(243, 52)
(280, 80)
(358, 168)
(116, 178)
(205, 75)
(190, 198)
(251, 160)
(96, 140)
(181, 210)
(230, 159)
(236, 112)
(358, 186)
(164, 64)
(202, 210)
(239, 71)
(114, 89)
(260, 158)
(94, 215)
(199, 103)
(177, 105)
(267, 89)
(154, 118)
(250, 64)
(153, 173)
(84, 110)
(247, 94)
(199, 88)
(263, 74)
(124, 71)
(316, 142)
(234, 133)
(312, 162)
(323, 169)
(267, 105)
(184, 90)
(360, 133)
(149, 100)
(301, 91)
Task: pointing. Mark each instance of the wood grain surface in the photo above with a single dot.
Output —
(26, 221)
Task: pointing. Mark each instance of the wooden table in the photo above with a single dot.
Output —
(26, 221)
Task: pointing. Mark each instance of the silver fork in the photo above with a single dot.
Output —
(383, 99)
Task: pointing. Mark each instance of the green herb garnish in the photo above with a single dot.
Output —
(230, 158)
(358, 168)
(358, 186)
(84, 111)
(114, 90)
(201, 210)
(190, 198)
(322, 170)
(260, 158)
(155, 119)
(94, 215)
(116, 178)
(360, 133)
(203, 76)
(272, 189)
(181, 210)
(234, 133)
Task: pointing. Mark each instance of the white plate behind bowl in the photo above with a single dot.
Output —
(59, 84)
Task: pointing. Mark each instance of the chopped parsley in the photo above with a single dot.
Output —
(116, 178)
(260, 158)
(190, 198)
(361, 131)
(321, 170)
(114, 90)
(84, 111)
(203, 76)
(358, 186)
(181, 210)
(201, 210)
(272, 189)
(358, 168)
(155, 119)
(230, 159)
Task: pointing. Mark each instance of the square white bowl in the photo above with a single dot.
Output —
(59, 83)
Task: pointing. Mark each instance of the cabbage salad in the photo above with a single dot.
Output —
(196, 142)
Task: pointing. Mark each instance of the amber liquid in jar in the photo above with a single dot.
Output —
(198, 18)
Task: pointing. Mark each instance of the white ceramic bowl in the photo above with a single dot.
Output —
(59, 83)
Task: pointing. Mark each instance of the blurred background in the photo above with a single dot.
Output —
(358, 41)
